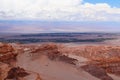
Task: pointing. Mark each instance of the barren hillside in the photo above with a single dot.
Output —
(51, 61)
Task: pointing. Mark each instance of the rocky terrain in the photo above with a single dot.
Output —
(52, 61)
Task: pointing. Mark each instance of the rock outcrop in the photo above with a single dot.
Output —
(106, 57)
(97, 72)
(7, 53)
(53, 53)
(4, 68)
(16, 73)
(5, 48)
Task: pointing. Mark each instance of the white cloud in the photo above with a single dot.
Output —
(73, 10)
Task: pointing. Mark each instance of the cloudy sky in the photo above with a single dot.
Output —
(60, 16)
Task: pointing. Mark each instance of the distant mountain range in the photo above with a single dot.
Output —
(58, 37)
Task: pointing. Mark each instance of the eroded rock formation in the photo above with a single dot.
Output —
(16, 73)
(7, 53)
(97, 72)
(4, 68)
(100, 59)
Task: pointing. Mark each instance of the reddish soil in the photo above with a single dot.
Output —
(56, 62)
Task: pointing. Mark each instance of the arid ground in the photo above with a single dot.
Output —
(56, 61)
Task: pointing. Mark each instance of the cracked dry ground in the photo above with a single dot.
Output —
(51, 61)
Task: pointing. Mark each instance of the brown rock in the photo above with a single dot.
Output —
(5, 48)
(4, 68)
(7, 53)
(16, 72)
(97, 72)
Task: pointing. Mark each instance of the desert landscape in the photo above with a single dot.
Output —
(57, 61)
(59, 39)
